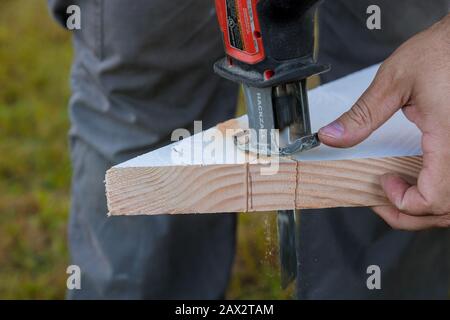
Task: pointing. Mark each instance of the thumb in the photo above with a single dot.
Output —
(377, 104)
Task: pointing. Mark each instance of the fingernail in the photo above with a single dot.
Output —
(333, 130)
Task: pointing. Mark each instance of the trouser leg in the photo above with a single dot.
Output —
(143, 257)
(142, 69)
(338, 245)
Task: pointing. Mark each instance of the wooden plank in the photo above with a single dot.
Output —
(242, 188)
(185, 177)
(350, 183)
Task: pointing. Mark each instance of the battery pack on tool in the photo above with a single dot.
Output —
(267, 42)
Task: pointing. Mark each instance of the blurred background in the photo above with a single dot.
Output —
(35, 57)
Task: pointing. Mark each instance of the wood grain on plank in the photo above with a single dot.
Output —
(242, 187)
(350, 183)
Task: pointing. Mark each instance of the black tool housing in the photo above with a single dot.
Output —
(287, 31)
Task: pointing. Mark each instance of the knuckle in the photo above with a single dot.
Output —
(389, 73)
(429, 205)
(395, 226)
(425, 198)
(444, 221)
(432, 203)
(361, 113)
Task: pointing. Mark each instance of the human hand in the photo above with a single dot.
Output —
(415, 78)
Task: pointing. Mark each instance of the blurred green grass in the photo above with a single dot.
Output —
(35, 57)
(34, 166)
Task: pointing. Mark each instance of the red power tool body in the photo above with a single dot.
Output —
(241, 30)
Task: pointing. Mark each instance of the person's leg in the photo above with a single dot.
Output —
(347, 43)
(142, 69)
(338, 245)
(143, 257)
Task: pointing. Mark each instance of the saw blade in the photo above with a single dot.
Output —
(286, 223)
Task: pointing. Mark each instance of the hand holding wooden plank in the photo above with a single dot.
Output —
(416, 78)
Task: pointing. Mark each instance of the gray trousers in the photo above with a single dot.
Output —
(144, 257)
(143, 68)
